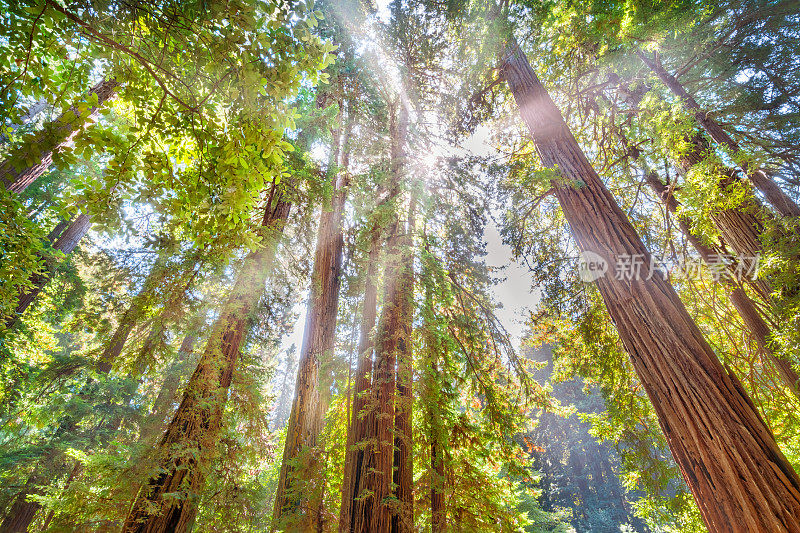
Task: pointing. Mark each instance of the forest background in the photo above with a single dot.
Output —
(326, 266)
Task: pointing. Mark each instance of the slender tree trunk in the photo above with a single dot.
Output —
(114, 348)
(781, 201)
(66, 243)
(740, 227)
(433, 389)
(163, 403)
(286, 398)
(363, 400)
(27, 118)
(438, 514)
(196, 426)
(298, 497)
(56, 232)
(403, 518)
(727, 455)
(746, 308)
(31, 160)
(23, 511)
(372, 512)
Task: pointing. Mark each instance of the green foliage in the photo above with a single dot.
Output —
(219, 101)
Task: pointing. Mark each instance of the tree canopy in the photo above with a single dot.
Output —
(249, 279)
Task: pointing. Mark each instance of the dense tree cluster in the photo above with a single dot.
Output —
(183, 180)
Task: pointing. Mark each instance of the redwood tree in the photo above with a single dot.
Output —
(295, 496)
(35, 156)
(66, 242)
(727, 455)
(781, 201)
(187, 448)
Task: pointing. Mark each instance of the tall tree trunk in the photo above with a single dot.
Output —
(740, 227)
(27, 118)
(23, 510)
(31, 160)
(438, 512)
(432, 384)
(372, 512)
(727, 455)
(133, 313)
(746, 308)
(298, 498)
(163, 403)
(66, 243)
(776, 196)
(286, 398)
(403, 518)
(196, 426)
(363, 416)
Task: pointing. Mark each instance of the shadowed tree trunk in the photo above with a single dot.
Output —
(163, 404)
(134, 311)
(23, 511)
(298, 498)
(27, 118)
(740, 227)
(438, 514)
(403, 518)
(727, 455)
(371, 508)
(188, 447)
(746, 308)
(32, 159)
(781, 201)
(363, 416)
(65, 243)
(431, 381)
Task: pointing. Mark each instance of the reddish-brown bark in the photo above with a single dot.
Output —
(375, 503)
(23, 511)
(298, 497)
(727, 455)
(740, 227)
(18, 172)
(778, 198)
(403, 517)
(66, 242)
(196, 425)
(362, 415)
(746, 308)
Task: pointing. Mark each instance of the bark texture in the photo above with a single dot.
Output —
(727, 455)
(403, 517)
(363, 399)
(32, 159)
(776, 196)
(432, 377)
(23, 511)
(376, 502)
(298, 493)
(66, 242)
(188, 446)
(298, 498)
(746, 308)
(740, 227)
